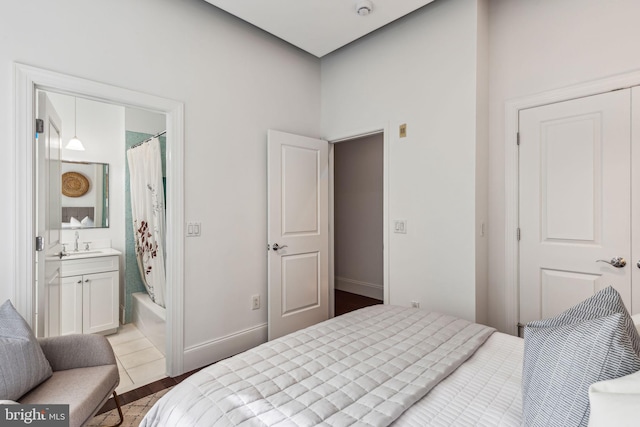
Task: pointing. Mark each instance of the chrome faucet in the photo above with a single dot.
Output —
(75, 244)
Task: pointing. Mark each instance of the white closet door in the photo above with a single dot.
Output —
(635, 199)
(575, 202)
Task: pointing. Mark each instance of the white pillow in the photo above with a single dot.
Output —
(636, 321)
(74, 222)
(615, 402)
(87, 222)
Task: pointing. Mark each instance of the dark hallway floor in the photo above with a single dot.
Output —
(346, 302)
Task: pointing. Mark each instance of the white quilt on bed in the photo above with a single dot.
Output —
(361, 369)
(485, 391)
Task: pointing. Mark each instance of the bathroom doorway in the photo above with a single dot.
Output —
(96, 221)
(29, 80)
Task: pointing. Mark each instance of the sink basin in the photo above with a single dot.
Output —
(90, 254)
(94, 253)
(79, 253)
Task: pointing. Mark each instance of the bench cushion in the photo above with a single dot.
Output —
(84, 389)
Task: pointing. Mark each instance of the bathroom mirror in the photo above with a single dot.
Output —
(85, 195)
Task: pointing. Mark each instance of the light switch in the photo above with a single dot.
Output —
(400, 226)
(194, 229)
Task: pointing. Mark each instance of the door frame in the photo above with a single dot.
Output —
(512, 110)
(343, 137)
(26, 80)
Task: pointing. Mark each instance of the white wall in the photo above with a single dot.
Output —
(137, 120)
(421, 71)
(537, 46)
(358, 216)
(235, 81)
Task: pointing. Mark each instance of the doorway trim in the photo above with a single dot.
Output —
(343, 137)
(26, 80)
(511, 181)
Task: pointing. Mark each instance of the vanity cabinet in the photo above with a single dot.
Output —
(89, 295)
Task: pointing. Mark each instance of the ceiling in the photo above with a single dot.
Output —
(317, 26)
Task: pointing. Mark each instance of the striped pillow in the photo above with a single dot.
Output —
(22, 362)
(592, 341)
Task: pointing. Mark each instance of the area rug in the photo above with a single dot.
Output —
(133, 412)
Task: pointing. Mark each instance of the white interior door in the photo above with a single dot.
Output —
(634, 263)
(575, 197)
(298, 235)
(48, 219)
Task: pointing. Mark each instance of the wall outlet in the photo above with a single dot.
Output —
(415, 304)
(255, 302)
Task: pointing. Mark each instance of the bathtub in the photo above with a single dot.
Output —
(150, 319)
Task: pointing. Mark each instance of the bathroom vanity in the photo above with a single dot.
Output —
(89, 293)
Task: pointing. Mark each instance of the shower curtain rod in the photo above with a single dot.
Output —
(148, 139)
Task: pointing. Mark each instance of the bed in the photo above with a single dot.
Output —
(378, 366)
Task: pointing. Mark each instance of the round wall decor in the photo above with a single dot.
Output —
(74, 184)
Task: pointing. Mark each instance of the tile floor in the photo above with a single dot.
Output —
(139, 362)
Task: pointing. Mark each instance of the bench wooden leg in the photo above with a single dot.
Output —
(115, 398)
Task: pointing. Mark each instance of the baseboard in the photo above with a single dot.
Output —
(371, 290)
(209, 352)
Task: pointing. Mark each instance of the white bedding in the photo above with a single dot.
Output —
(484, 391)
(361, 369)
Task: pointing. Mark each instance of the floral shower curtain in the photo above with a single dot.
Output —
(148, 213)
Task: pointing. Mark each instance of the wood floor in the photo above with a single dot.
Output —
(144, 391)
(345, 302)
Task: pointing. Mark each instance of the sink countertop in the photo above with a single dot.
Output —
(93, 253)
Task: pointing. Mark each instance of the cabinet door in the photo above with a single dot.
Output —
(99, 302)
(71, 305)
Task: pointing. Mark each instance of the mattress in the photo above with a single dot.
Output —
(364, 368)
(484, 391)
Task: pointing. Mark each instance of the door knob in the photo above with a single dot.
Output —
(638, 264)
(618, 262)
(276, 246)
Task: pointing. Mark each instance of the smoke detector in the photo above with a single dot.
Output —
(364, 7)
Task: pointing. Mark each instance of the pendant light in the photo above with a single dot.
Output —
(74, 143)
